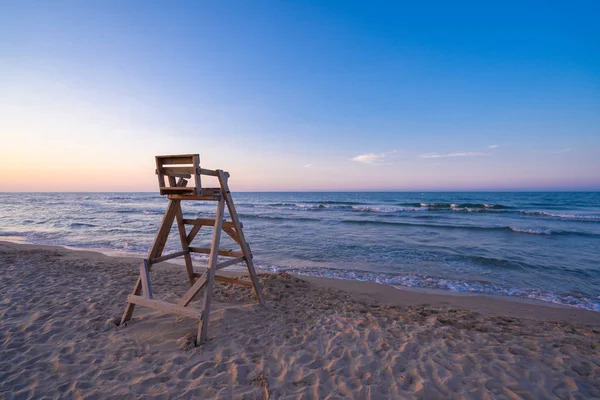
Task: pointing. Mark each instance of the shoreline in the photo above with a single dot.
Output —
(392, 295)
(407, 241)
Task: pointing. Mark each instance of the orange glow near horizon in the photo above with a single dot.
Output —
(71, 145)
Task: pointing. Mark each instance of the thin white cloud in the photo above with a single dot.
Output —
(493, 146)
(561, 151)
(370, 158)
(308, 166)
(462, 154)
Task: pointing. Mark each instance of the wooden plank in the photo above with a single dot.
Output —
(145, 276)
(233, 280)
(197, 182)
(193, 232)
(177, 159)
(222, 252)
(206, 222)
(184, 245)
(176, 189)
(210, 172)
(181, 182)
(196, 287)
(229, 263)
(175, 171)
(160, 240)
(176, 175)
(169, 256)
(238, 227)
(175, 155)
(210, 192)
(233, 234)
(165, 307)
(212, 264)
(192, 197)
(161, 177)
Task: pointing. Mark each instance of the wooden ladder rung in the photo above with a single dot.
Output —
(228, 263)
(169, 256)
(165, 307)
(232, 280)
(228, 279)
(221, 252)
(207, 222)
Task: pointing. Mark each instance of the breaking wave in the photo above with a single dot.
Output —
(412, 280)
(582, 218)
(531, 231)
(472, 227)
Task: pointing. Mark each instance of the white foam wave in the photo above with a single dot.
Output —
(292, 206)
(531, 231)
(563, 216)
(413, 280)
(385, 209)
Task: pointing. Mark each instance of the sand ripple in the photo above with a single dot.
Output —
(58, 339)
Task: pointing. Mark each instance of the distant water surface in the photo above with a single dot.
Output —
(536, 245)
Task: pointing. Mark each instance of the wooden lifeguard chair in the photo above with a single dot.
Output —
(173, 172)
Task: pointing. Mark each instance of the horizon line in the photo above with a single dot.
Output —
(597, 190)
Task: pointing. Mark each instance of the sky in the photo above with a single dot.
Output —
(301, 95)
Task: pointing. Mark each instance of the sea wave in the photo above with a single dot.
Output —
(293, 206)
(153, 212)
(335, 202)
(132, 197)
(582, 218)
(442, 206)
(412, 280)
(384, 209)
(472, 227)
(370, 208)
(81, 225)
(413, 207)
(531, 231)
(13, 233)
(140, 210)
(274, 217)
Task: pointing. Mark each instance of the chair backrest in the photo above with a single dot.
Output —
(177, 169)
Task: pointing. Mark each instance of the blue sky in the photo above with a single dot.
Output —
(303, 95)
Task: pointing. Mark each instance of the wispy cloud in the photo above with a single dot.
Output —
(462, 154)
(493, 146)
(308, 166)
(561, 151)
(370, 158)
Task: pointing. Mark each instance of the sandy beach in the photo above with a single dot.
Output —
(317, 338)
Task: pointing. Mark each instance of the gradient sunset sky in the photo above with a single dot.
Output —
(301, 95)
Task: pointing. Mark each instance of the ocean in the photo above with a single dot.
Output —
(542, 246)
